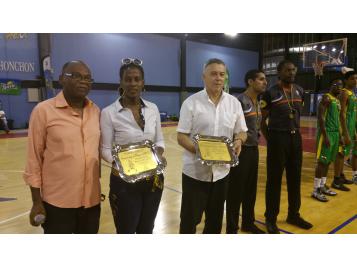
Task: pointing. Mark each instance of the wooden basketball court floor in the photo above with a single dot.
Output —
(339, 215)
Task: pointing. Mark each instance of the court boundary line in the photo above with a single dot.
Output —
(172, 189)
(11, 170)
(342, 225)
(15, 217)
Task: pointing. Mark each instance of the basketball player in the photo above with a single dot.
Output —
(328, 137)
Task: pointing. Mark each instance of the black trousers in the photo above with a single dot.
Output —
(284, 150)
(71, 220)
(198, 197)
(242, 189)
(134, 206)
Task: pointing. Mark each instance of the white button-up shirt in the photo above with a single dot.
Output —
(199, 115)
(118, 126)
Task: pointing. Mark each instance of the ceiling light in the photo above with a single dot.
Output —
(231, 34)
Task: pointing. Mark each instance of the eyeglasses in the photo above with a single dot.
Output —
(129, 60)
(79, 77)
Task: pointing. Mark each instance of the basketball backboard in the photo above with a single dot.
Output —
(332, 53)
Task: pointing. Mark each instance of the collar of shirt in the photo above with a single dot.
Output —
(120, 107)
(60, 101)
(209, 100)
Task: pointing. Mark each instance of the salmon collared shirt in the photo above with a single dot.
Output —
(63, 153)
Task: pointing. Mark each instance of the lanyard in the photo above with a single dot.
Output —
(291, 115)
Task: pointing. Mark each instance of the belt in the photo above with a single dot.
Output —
(156, 180)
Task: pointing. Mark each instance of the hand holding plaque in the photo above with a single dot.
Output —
(137, 161)
(215, 150)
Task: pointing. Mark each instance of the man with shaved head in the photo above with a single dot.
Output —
(62, 166)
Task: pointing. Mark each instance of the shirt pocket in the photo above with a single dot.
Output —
(229, 120)
(201, 114)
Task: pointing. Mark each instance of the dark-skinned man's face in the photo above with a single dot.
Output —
(288, 73)
(336, 86)
(351, 82)
(76, 80)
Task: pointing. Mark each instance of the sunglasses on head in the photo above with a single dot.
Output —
(134, 61)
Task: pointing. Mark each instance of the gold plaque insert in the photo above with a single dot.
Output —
(214, 150)
(137, 160)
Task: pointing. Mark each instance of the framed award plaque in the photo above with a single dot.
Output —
(137, 161)
(215, 150)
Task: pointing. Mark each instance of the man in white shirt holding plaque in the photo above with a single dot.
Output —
(210, 112)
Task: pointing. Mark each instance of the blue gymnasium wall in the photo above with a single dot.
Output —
(17, 107)
(238, 62)
(103, 53)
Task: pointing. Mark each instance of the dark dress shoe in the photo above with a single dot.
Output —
(299, 222)
(339, 186)
(344, 180)
(272, 228)
(253, 229)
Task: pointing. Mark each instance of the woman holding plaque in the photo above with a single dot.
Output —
(131, 119)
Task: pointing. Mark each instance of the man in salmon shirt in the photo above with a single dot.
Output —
(62, 166)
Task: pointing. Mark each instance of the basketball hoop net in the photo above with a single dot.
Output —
(319, 67)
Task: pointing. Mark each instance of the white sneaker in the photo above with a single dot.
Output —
(325, 190)
(318, 195)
